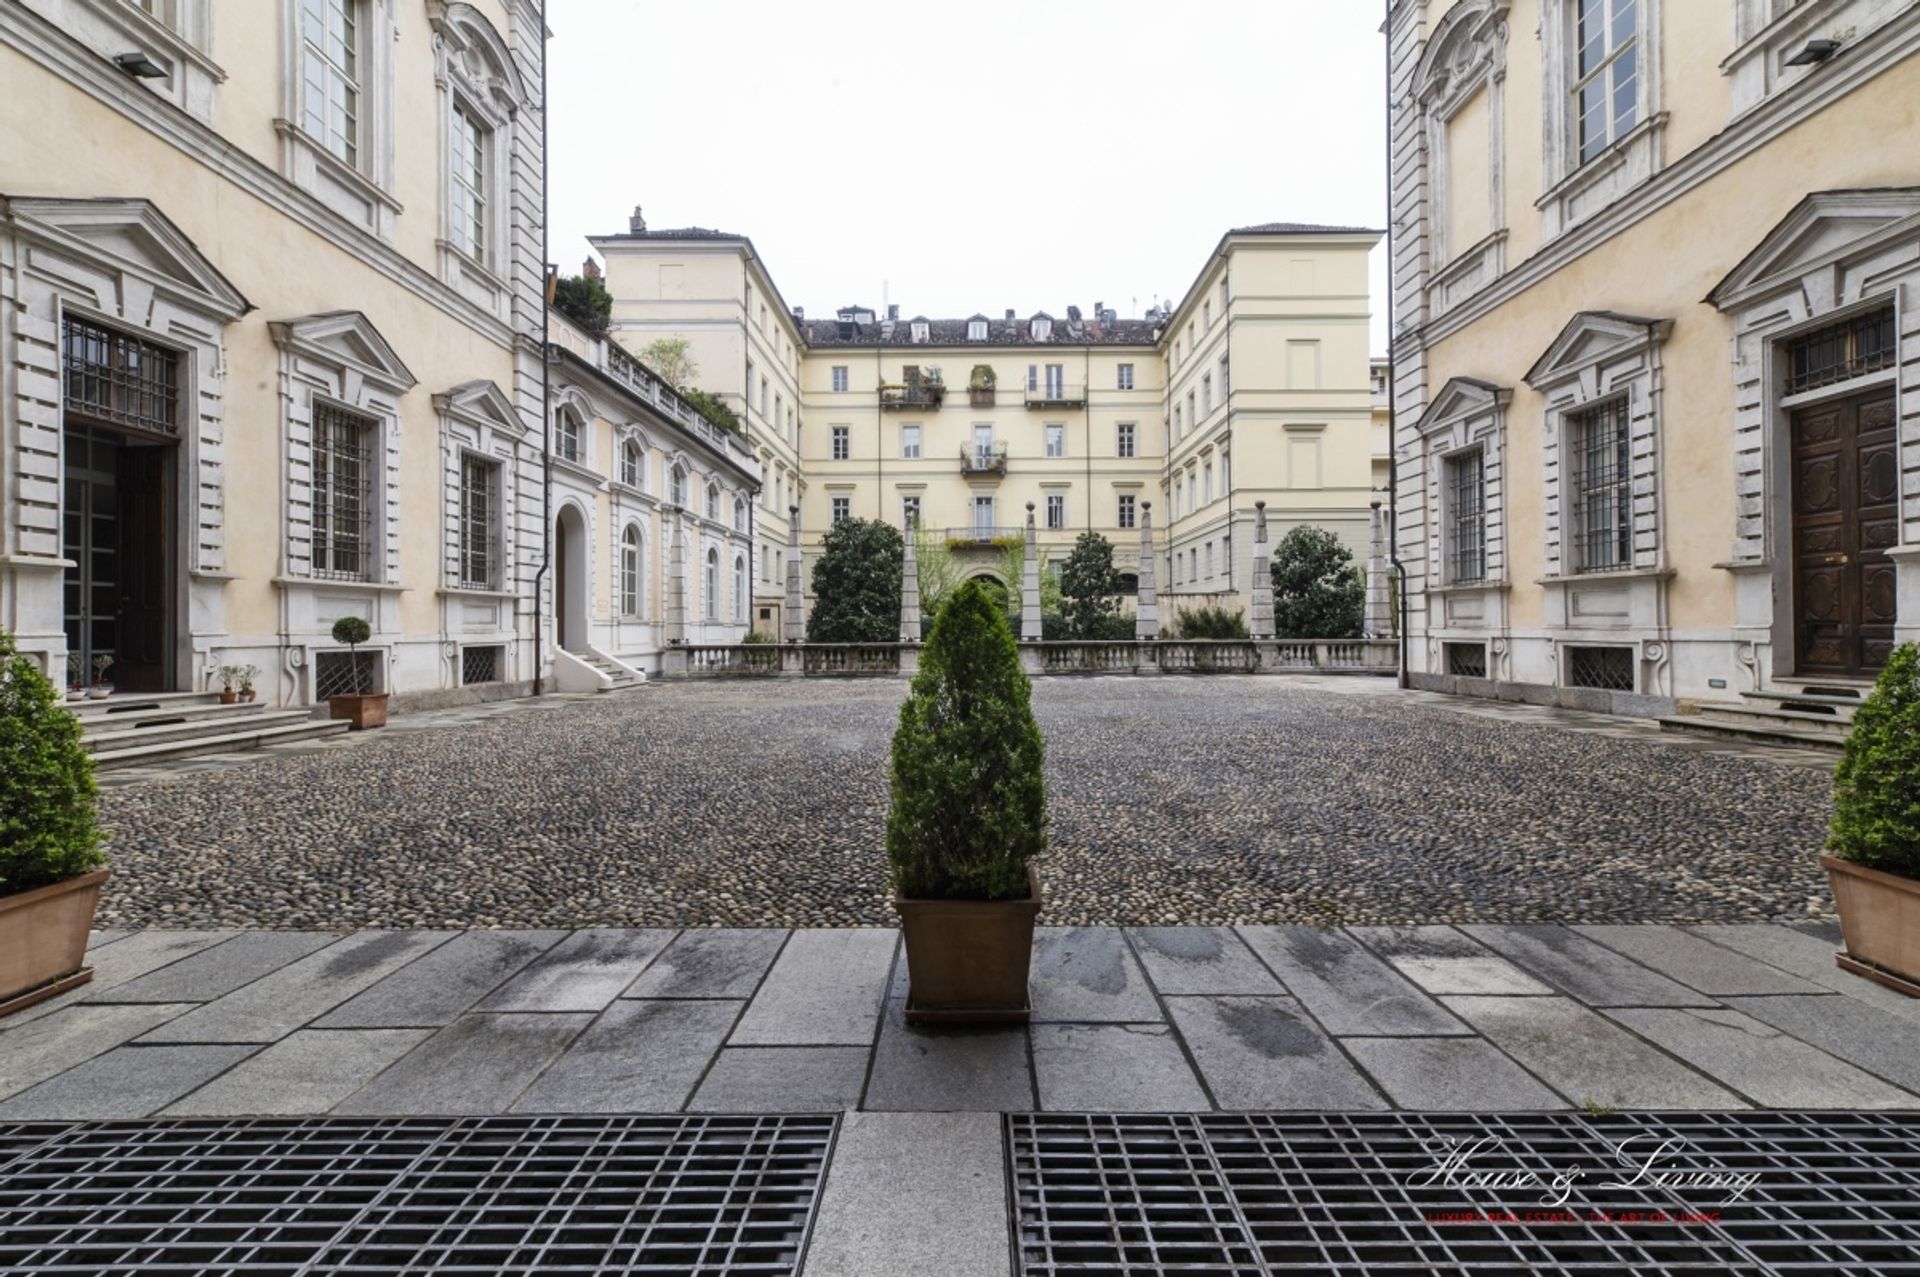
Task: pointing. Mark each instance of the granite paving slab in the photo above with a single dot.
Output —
(128, 1081)
(215, 972)
(1348, 988)
(1088, 975)
(1113, 1068)
(946, 1068)
(637, 1057)
(943, 1171)
(584, 972)
(710, 963)
(37, 1051)
(1811, 958)
(1589, 971)
(1199, 960)
(1695, 962)
(436, 988)
(126, 959)
(782, 1079)
(1456, 1075)
(825, 990)
(1588, 1058)
(101, 939)
(477, 1065)
(1860, 1033)
(1442, 960)
(1263, 1053)
(1759, 1061)
(276, 1004)
(305, 1072)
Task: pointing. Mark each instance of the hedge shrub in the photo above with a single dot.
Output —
(1876, 788)
(856, 584)
(1209, 622)
(47, 828)
(1318, 593)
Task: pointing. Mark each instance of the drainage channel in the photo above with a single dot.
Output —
(1646, 1193)
(708, 1195)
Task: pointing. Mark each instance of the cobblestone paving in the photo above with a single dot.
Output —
(1175, 800)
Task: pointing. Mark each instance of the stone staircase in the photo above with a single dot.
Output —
(1803, 714)
(128, 730)
(622, 677)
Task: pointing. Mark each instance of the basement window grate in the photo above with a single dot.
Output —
(333, 674)
(1838, 1193)
(1467, 659)
(713, 1196)
(480, 664)
(1608, 668)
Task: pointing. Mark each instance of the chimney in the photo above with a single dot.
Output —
(893, 311)
(799, 314)
(636, 224)
(1009, 314)
(590, 268)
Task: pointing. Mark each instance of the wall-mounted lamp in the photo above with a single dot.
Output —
(140, 66)
(1814, 52)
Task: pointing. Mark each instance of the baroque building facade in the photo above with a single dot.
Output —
(270, 309)
(1253, 388)
(1657, 345)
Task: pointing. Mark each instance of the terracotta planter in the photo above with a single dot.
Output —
(228, 696)
(43, 940)
(1880, 920)
(362, 711)
(247, 694)
(980, 396)
(967, 960)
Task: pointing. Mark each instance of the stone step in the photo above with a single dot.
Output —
(1842, 706)
(132, 719)
(1793, 720)
(130, 702)
(154, 734)
(1695, 725)
(223, 743)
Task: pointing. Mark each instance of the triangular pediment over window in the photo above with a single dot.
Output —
(1590, 337)
(1463, 397)
(1825, 228)
(134, 236)
(481, 402)
(346, 338)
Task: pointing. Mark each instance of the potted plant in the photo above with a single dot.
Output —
(981, 383)
(51, 869)
(932, 388)
(102, 685)
(1875, 835)
(968, 814)
(76, 677)
(227, 673)
(245, 673)
(362, 709)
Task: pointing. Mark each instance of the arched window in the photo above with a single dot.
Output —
(739, 515)
(680, 485)
(740, 587)
(632, 465)
(567, 438)
(631, 580)
(713, 585)
(713, 501)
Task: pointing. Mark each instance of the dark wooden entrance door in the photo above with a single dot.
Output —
(115, 536)
(1846, 489)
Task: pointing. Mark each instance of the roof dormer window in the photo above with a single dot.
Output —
(919, 330)
(976, 330)
(1042, 328)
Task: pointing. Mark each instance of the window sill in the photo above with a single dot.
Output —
(580, 470)
(350, 587)
(1588, 187)
(470, 592)
(336, 168)
(1469, 587)
(1608, 574)
(468, 261)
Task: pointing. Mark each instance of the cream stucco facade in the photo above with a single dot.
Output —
(1657, 290)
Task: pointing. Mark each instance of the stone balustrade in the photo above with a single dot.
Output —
(1168, 656)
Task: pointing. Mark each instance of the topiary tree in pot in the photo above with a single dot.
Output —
(362, 707)
(51, 869)
(1875, 833)
(968, 815)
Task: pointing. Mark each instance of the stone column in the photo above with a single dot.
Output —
(910, 593)
(1379, 621)
(793, 625)
(677, 583)
(1260, 622)
(1030, 588)
(1146, 617)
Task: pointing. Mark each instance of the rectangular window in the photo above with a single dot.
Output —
(470, 142)
(983, 516)
(910, 442)
(839, 376)
(1209, 559)
(1056, 511)
(842, 443)
(1468, 660)
(1606, 92)
(1056, 437)
(1033, 378)
(1226, 379)
(763, 396)
(119, 380)
(1124, 376)
(1853, 348)
(1466, 519)
(1127, 505)
(1056, 381)
(1602, 478)
(330, 75)
(1607, 668)
(909, 513)
(1193, 418)
(1206, 392)
(1207, 488)
(479, 519)
(842, 508)
(1123, 439)
(342, 494)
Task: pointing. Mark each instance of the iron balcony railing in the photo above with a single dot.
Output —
(1056, 394)
(652, 388)
(984, 535)
(914, 394)
(989, 459)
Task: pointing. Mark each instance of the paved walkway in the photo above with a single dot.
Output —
(1143, 1020)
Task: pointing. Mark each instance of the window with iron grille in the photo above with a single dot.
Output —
(342, 494)
(1469, 660)
(479, 522)
(334, 674)
(119, 380)
(1466, 516)
(1607, 668)
(330, 75)
(471, 139)
(481, 664)
(1851, 348)
(1602, 474)
(1056, 510)
(1127, 504)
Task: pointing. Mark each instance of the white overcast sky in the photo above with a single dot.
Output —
(972, 156)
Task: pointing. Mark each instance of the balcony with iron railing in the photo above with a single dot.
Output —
(1056, 394)
(984, 537)
(923, 395)
(983, 459)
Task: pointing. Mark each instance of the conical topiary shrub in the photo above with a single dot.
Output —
(47, 829)
(1876, 789)
(969, 797)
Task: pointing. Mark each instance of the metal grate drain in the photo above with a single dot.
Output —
(1835, 1193)
(683, 1195)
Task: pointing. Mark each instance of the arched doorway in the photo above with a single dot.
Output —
(570, 579)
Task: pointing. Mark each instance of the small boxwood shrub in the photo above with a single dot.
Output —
(47, 828)
(969, 806)
(1209, 622)
(1876, 788)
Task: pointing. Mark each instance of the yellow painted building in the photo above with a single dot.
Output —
(1254, 387)
(1657, 345)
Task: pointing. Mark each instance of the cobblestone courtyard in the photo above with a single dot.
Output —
(1204, 801)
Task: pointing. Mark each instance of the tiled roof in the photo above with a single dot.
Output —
(1301, 228)
(821, 333)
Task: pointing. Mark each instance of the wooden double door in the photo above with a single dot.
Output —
(1846, 496)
